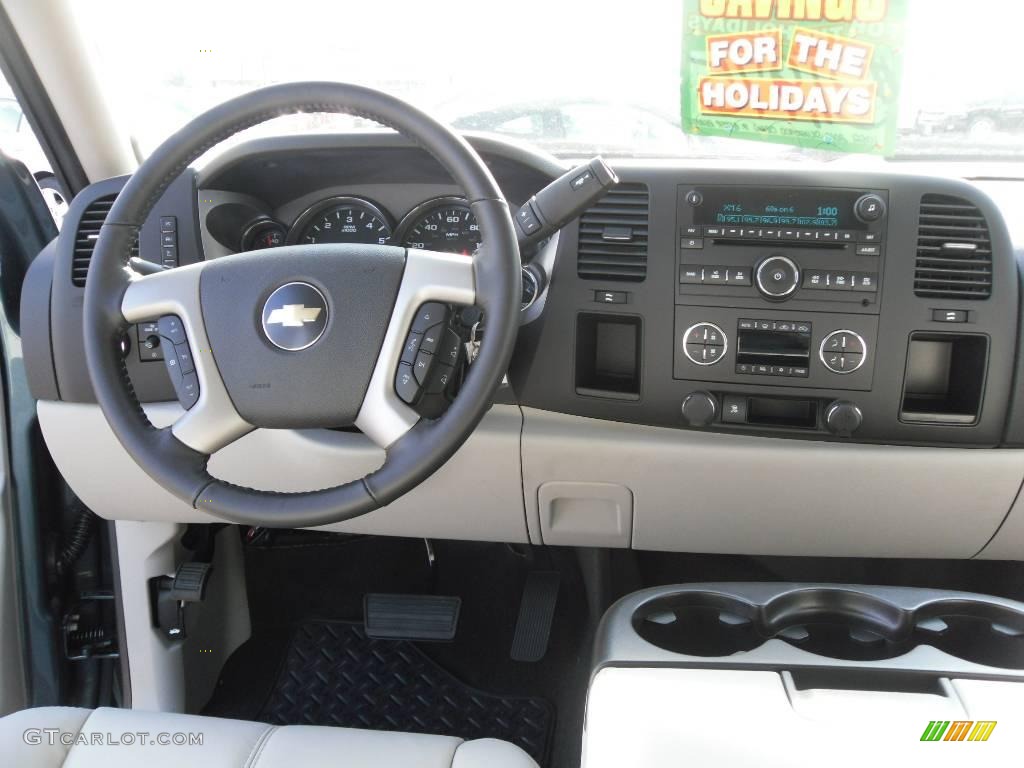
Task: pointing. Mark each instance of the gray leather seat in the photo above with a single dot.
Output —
(87, 738)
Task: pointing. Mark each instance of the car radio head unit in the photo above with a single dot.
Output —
(775, 244)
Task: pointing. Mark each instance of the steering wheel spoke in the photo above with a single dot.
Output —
(212, 421)
(429, 276)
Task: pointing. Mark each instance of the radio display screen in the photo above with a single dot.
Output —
(779, 207)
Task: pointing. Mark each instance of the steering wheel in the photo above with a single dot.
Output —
(265, 357)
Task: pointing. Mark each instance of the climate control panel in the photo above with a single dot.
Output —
(807, 349)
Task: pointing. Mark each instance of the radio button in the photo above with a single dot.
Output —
(713, 354)
(738, 275)
(777, 277)
(846, 236)
(869, 237)
(712, 231)
(691, 231)
(763, 370)
(691, 243)
(841, 282)
(815, 279)
(865, 282)
(800, 372)
(733, 231)
(827, 235)
(714, 274)
(691, 275)
(869, 250)
(746, 325)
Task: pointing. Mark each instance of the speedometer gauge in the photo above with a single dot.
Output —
(342, 220)
(446, 224)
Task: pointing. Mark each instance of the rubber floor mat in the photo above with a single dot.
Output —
(334, 675)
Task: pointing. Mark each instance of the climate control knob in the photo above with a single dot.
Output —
(843, 418)
(777, 277)
(700, 409)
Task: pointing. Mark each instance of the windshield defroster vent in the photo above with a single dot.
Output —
(613, 236)
(954, 250)
(85, 237)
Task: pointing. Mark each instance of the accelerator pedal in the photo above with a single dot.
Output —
(411, 617)
(536, 613)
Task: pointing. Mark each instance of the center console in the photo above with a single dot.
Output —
(877, 308)
(775, 674)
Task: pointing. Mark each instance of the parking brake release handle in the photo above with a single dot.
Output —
(563, 200)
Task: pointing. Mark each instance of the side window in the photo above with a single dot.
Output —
(17, 140)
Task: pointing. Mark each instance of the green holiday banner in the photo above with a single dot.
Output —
(815, 73)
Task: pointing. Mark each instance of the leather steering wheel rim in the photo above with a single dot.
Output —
(413, 456)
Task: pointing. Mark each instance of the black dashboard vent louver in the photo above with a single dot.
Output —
(613, 236)
(954, 250)
(85, 237)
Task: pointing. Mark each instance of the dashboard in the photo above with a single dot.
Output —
(833, 339)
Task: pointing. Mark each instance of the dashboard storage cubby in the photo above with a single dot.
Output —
(608, 355)
(793, 625)
(945, 378)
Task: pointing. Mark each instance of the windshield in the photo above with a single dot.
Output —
(572, 78)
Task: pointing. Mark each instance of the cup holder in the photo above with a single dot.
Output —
(836, 623)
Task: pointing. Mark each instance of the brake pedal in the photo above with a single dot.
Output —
(411, 617)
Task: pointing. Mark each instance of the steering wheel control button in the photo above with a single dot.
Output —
(171, 328)
(451, 344)
(869, 208)
(184, 355)
(187, 389)
(421, 367)
(704, 343)
(429, 315)
(295, 316)
(777, 277)
(440, 377)
(406, 386)
(412, 346)
(431, 338)
(843, 351)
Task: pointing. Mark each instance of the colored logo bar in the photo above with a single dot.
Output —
(958, 730)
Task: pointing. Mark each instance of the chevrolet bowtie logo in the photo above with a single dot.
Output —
(293, 315)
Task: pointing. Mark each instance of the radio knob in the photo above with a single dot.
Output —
(869, 208)
(843, 418)
(777, 277)
(700, 409)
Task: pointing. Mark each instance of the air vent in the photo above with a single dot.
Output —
(613, 236)
(85, 238)
(954, 251)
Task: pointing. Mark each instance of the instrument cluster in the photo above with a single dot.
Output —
(439, 224)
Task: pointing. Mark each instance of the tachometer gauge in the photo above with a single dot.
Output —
(342, 220)
(264, 233)
(445, 224)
